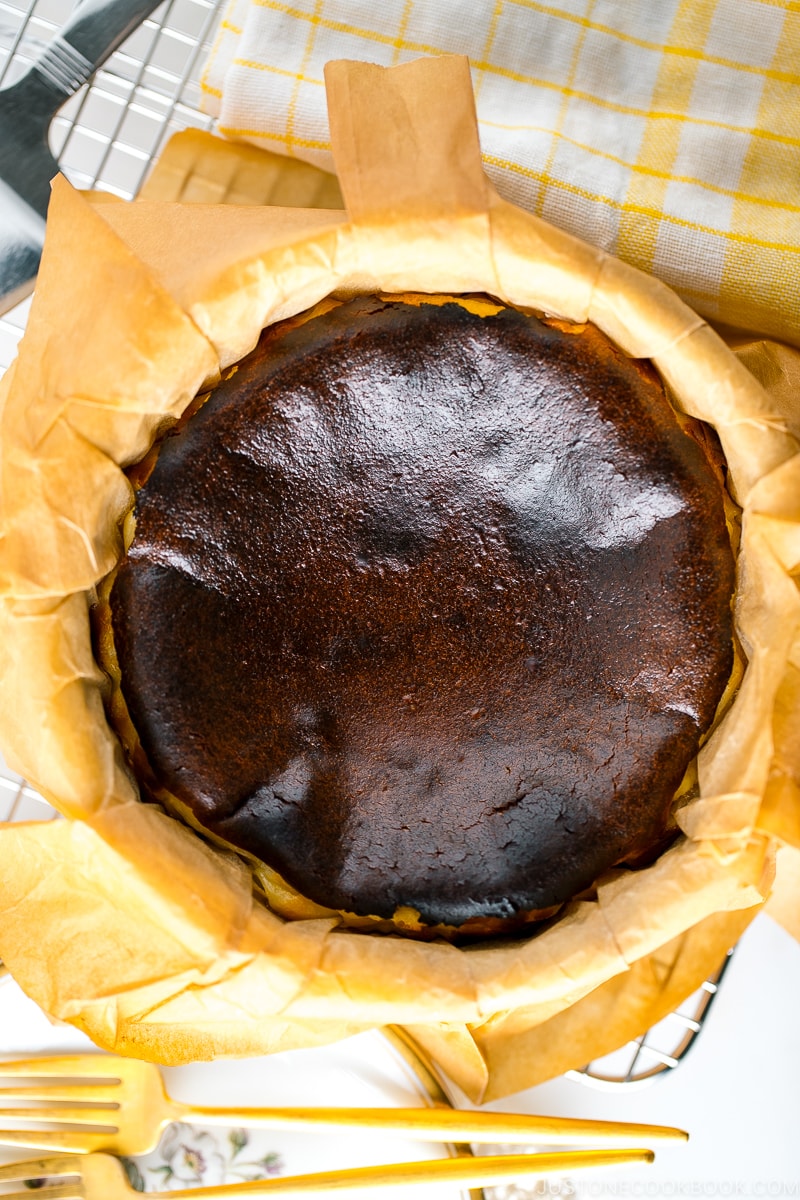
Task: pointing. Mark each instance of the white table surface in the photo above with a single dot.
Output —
(737, 1091)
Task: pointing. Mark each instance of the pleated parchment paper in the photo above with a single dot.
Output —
(124, 922)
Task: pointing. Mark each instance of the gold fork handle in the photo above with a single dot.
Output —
(439, 1124)
(469, 1172)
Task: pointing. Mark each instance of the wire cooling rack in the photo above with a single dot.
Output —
(107, 136)
(111, 131)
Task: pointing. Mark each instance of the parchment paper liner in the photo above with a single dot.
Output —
(124, 922)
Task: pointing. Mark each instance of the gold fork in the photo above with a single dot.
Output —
(101, 1177)
(119, 1106)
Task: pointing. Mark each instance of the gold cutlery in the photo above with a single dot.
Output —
(101, 1177)
(99, 1103)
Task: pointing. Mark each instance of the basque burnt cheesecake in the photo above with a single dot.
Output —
(428, 609)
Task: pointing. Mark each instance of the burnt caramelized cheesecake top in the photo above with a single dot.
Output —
(428, 609)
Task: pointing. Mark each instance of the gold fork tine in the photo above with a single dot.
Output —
(90, 1066)
(137, 1108)
(80, 1092)
(90, 1114)
(37, 1171)
(40, 1168)
(66, 1141)
(61, 1191)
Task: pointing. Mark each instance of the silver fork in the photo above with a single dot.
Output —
(93, 31)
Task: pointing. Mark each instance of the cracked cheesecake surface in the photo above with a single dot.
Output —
(428, 609)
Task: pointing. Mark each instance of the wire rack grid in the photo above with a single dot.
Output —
(107, 136)
(109, 133)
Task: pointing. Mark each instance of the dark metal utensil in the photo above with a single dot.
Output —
(94, 31)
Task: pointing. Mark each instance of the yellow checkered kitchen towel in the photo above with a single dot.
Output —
(664, 131)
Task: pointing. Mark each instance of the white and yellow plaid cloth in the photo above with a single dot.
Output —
(664, 131)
